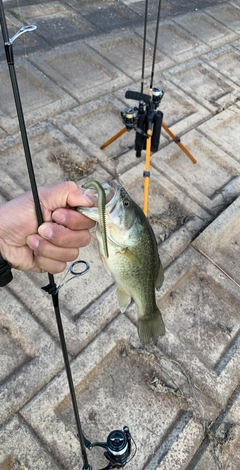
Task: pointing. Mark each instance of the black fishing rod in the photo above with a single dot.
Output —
(118, 449)
(155, 43)
(144, 44)
(8, 44)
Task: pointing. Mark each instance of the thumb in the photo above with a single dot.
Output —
(62, 195)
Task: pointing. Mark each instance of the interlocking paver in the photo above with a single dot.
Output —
(225, 60)
(99, 75)
(56, 22)
(47, 145)
(111, 47)
(221, 129)
(220, 241)
(41, 97)
(206, 28)
(21, 449)
(36, 356)
(205, 84)
(206, 188)
(228, 14)
(31, 42)
(174, 41)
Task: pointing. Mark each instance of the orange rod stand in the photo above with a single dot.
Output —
(115, 137)
(146, 173)
(148, 154)
(173, 137)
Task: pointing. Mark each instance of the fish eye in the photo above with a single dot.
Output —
(126, 203)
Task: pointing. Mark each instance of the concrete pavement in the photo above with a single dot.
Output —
(179, 397)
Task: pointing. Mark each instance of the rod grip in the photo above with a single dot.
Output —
(140, 139)
(135, 95)
(157, 125)
(5, 272)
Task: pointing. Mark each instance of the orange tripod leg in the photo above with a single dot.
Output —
(146, 173)
(173, 137)
(115, 137)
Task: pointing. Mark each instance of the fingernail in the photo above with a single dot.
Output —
(45, 232)
(33, 243)
(59, 217)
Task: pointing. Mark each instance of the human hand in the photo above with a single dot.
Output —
(48, 247)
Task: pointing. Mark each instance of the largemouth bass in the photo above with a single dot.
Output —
(133, 259)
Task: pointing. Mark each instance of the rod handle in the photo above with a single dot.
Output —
(5, 272)
(135, 95)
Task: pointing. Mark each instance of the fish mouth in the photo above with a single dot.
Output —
(112, 192)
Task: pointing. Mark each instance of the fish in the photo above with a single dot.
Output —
(133, 260)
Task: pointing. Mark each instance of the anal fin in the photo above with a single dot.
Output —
(160, 277)
(123, 299)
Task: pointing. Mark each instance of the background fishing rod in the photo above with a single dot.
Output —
(118, 445)
(138, 117)
(145, 119)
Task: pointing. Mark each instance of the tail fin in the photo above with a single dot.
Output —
(151, 327)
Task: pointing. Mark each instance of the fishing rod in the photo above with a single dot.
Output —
(145, 119)
(118, 449)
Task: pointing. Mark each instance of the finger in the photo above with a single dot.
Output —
(46, 249)
(72, 219)
(43, 264)
(64, 237)
(62, 195)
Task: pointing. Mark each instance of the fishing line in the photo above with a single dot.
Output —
(155, 43)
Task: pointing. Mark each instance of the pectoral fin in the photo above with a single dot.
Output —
(105, 264)
(131, 257)
(160, 277)
(123, 299)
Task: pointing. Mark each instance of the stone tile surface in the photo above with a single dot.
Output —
(220, 241)
(29, 356)
(174, 41)
(56, 22)
(209, 189)
(208, 86)
(224, 60)
(221, 129)
(207, 29)
(40, 96)
(48, 147)
(26, 43)
(228, 14)
(111, 47)
(20, 448)
(92, 75)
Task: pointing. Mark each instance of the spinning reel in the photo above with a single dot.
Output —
(143, 117)
(118, 448)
